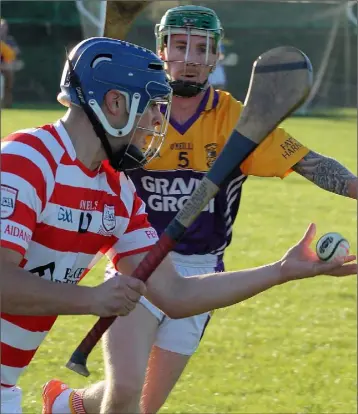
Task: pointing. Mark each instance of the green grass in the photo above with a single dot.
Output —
(289, 350)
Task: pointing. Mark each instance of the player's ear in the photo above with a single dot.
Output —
(114, 102)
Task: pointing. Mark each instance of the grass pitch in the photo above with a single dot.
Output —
(289, 350)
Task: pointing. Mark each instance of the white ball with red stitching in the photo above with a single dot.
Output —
(332, 245)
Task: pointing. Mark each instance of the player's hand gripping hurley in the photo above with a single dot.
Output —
(280, 82)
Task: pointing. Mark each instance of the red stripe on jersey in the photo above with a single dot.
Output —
(15, 358)
(111, 240)
(84, 274)
(35, 143)
(12, 246)
(78, 198)
(52, 130)
(27, 170)
(68, 241)
(104, 249)
(24, 215)
(120, 256)
(7, 385)
(138, 222)
(113, 177)
(137, 204)
(66, 160)
(31, 323)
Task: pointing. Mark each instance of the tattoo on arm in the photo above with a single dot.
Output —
(325, 172)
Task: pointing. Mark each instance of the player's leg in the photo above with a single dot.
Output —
(92, 397)
(85, 400)
(163, 372)
(176, 341)
(127, 347)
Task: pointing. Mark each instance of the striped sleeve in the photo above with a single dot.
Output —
(139, 235)
(27, 180)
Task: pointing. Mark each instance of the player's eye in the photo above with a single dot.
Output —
(155, 104)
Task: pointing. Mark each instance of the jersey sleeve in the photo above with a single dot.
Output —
(26, 179)
(139, 236)
(275, 156)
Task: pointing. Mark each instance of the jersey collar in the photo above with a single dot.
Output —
(65, 139)
(209, 102)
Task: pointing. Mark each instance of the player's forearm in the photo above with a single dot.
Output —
(198, 294)
(23, 293)
(328, 173)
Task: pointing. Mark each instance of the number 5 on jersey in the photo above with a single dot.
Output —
(183, 159)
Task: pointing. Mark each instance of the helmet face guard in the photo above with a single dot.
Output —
(153, 138)
(95, 67)
(191, 21)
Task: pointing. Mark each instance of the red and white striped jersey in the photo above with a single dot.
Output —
(61, 217)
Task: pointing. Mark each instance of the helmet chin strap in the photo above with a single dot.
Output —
(129, 157)
(187, 89)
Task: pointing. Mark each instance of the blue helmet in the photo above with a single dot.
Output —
(102, 64)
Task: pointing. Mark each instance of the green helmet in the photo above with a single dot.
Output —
(191, 21)
(198, 20)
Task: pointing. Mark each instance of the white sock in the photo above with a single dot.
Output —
(62, 403)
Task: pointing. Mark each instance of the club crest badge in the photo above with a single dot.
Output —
(8, 201)
(109, 218)
(211, 154)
